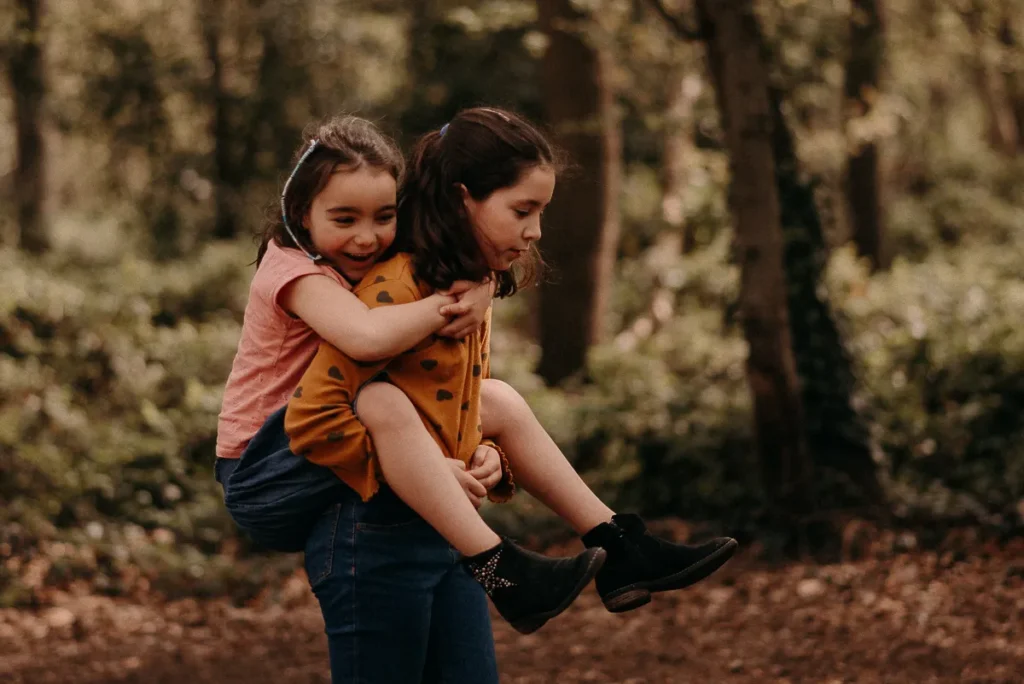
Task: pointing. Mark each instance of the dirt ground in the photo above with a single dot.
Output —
(915, 618)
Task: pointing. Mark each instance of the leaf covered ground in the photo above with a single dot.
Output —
(917, 617)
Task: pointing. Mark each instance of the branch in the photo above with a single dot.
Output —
(675, 23)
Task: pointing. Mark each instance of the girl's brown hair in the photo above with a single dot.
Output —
(484, 149)
(343, 143)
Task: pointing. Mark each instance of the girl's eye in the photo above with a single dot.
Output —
(522, 213)
(345, 221)
(385, 218)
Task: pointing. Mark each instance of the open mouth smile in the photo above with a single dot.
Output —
(360, 258)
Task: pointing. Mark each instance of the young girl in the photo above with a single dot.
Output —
(395, 601)
(348, 190)
(339, 207)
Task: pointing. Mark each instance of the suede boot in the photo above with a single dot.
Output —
(527, 588)
(639, 563)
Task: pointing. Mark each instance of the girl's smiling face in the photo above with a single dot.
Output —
(507, 222)
(352, 221)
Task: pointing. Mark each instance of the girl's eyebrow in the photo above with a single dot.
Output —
(357, 210)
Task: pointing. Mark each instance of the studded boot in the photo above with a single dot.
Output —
(529, 589)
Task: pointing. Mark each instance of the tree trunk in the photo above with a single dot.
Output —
(1012, 71)
(25, 64)
(584, 218)
(735, 55)
(836, 434)
(862, 183)
(1000, 129)
(226, 221)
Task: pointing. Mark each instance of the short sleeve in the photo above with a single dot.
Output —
(283, 266)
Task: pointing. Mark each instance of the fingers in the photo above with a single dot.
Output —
(475, 487)
(479, 458)
(470, 483)
(491, 481)
(457, 330)
(484, 468)
(459, 308)
(459, 287)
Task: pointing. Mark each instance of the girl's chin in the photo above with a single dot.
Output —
(353, 273)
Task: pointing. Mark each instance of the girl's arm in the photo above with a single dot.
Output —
(362, 333)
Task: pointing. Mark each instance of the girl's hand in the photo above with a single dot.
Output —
(485, 466)
(475, 491)
(470, 311)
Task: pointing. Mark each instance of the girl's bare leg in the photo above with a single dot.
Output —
(537, 462)
(415, 469)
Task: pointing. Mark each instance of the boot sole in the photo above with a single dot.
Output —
(638, 594)
(531, 623)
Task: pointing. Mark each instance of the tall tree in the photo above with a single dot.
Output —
(25, 66)
(211, 18)
(863, 182)
(1001, 129)
(581, 247)
(836, 434)
(740, 74)
(1013, 69)
(825, 429)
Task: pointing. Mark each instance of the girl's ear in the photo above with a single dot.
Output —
(467, 200)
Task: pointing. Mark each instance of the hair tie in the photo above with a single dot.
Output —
(444, 129)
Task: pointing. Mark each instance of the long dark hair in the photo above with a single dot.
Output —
(342, 143)
(484, 149)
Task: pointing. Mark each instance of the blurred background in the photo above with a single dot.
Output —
(784, 303)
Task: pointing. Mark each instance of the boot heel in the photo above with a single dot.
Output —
(529, 625)
(628, 600)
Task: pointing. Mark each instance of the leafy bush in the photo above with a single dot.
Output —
(110, 385)
(111, 377)
(942, 355)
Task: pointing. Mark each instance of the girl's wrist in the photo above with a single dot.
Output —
(444, 300)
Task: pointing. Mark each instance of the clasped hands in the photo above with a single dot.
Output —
(482, 475)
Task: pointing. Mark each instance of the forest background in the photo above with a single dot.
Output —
(785, 289)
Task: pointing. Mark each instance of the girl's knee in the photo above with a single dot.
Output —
(382, 406)
(501, 403)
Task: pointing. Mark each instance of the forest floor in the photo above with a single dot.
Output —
(917, 617)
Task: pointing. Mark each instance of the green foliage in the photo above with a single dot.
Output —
(111, 385)
(942, 357)
(113, 356)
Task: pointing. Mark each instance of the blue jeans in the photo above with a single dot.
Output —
(274, 496)
(398, 605)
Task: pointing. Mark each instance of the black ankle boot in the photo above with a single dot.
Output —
(640, 563)
(529, 589)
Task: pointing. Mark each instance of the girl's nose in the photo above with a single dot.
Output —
(533, 231)
(365, 238)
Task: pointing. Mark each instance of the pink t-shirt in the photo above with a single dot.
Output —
(274, 351)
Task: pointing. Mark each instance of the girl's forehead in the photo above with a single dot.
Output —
(359, 187)
(537, 183)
